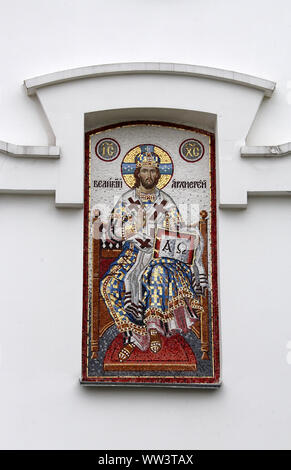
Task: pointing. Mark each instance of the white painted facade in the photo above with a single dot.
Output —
(41, 185)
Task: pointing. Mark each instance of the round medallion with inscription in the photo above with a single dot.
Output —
(107, 149)
(191, 150)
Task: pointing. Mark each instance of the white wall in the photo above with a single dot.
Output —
(42, 404)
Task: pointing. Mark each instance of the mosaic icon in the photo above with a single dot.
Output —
(150, 303)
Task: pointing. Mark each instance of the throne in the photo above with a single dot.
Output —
(104, 252)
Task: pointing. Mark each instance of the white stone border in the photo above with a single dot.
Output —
(266, 151)
(35, 151)
(149, 67)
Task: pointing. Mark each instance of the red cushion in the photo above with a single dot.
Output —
(175, 354)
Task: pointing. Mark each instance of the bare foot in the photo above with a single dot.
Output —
(125, 352)
(155, 341)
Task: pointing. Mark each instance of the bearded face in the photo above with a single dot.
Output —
(149, 176)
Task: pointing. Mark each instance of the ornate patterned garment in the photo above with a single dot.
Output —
(142, 292)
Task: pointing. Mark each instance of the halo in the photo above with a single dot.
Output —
(128, 166)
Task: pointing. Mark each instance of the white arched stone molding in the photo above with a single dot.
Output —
(33, 84)
(222, 101)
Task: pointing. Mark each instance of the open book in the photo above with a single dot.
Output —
(174, 245)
